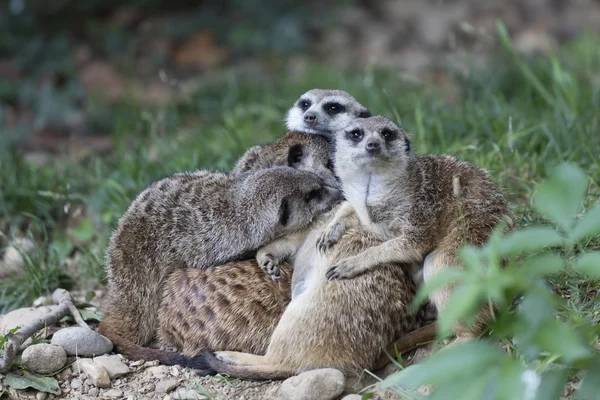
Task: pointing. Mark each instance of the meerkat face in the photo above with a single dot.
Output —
(312, 154)
(286, 198)
(323, 112)
(371, 142)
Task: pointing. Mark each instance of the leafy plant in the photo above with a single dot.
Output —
(551, 348)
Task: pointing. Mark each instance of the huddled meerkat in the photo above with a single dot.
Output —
(199, 220)
(324, 111)
(344, 324)
(423, 207)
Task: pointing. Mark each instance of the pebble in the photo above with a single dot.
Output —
(76, 383)
(96, 372)
(187, 394)
(44, 358)
(113, 365)
(113, 394)
(352, 397)
(93, 392)
(318, 384)
(160, 371)
(82, 341)
(175, 370)
(166, 385)
(22, 317)
(41, 396)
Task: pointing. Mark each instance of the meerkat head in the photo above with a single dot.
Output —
(371, 143)
(285, 198)
(310, 153)
(323, 112)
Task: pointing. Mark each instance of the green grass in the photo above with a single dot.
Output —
(517, 118)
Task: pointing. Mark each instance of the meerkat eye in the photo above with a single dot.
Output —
(355, 135)
(313, 195)
(304, 104)
(388, 134)
(334, 108)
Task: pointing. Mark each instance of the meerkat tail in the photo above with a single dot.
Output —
(408, 342)
(134, 351)
(253, 371)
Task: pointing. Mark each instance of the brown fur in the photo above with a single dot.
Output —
(199, 220)
(230, 307)
(423, 207)
(344, 324)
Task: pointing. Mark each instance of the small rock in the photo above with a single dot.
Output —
(64, 374)
(113, 393)
(175, 370)
(81, 341)
(352, 397)
(318, 384)
(166, 385)
(93, 392)
(147, 388)
(22, 317)
(113, 365)
(187, 394)
(44, 358)
(41, 396)
(160, 371)
(76, 383)
(96, 372)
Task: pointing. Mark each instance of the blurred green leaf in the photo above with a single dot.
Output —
(25, 379)
(589, 225)
(560, 339)
(589, 264)
(552, 384)
(530, 240)
(539, 266)
(463, 302)
(446, 277)
(560, 198)
(590, 385)
(472, 357)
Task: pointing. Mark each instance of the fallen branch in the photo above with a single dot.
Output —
(408, 342)
(15, 340)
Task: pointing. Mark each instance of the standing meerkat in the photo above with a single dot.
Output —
(324, 112)
(199, 220)
(423, 207)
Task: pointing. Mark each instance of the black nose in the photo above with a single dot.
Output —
(310, 117)
(373, 147)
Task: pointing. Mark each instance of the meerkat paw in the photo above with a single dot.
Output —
(269, 264)
(344, 269)
(228, 357)
(330, 236)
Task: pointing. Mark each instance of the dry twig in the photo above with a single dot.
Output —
(15, 340)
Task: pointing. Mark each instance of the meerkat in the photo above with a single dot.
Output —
(344, 324)
(423, 207)
(199, 220)
(324, 111)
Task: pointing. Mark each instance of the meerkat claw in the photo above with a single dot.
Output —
(332, 273)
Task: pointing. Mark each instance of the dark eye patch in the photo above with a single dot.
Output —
(355, 135)
(333, 108)
(364, 114)
(389, 134)
(295, 155)
(304, 104)
(407, 144)
(284, 212)
(313, 195)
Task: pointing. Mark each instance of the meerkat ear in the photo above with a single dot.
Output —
(407, 144)
(295, 155)
(364, 114)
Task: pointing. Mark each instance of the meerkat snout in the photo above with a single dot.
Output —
(323, 112)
